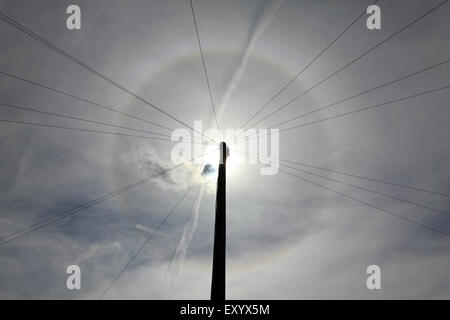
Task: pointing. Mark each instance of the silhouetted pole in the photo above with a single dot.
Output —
(218, 269)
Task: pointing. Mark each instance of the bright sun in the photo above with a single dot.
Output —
(211, 162)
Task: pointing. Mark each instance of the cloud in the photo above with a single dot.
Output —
(286, 238)
(145, 161)
(256, 30)
(176, 264)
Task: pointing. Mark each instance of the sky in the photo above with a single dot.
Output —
(286, 238)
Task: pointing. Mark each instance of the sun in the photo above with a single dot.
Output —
(210, 162)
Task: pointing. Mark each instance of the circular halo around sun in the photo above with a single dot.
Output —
(182, 72)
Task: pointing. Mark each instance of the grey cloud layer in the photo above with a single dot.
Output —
(286, 239)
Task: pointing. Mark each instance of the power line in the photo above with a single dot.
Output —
(366, 203)
(359, 187)
(39, 225)
(91, 130)
(353, 61)
(6, 105)
(371, 179)
(374, 180)
(363, 92)
(368, 108)
(93, 71)
(304, 69)
(370, 190)
(82, 130)
(66, 94)
(146, 241)
(370, 205)
(356, 111)
(88, 121)
(204, 65)
(360, 177)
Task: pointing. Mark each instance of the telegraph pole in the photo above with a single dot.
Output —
(218, 269)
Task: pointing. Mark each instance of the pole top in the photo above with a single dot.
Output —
(224, 153)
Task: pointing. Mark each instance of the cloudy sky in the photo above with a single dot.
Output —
(286, 238)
